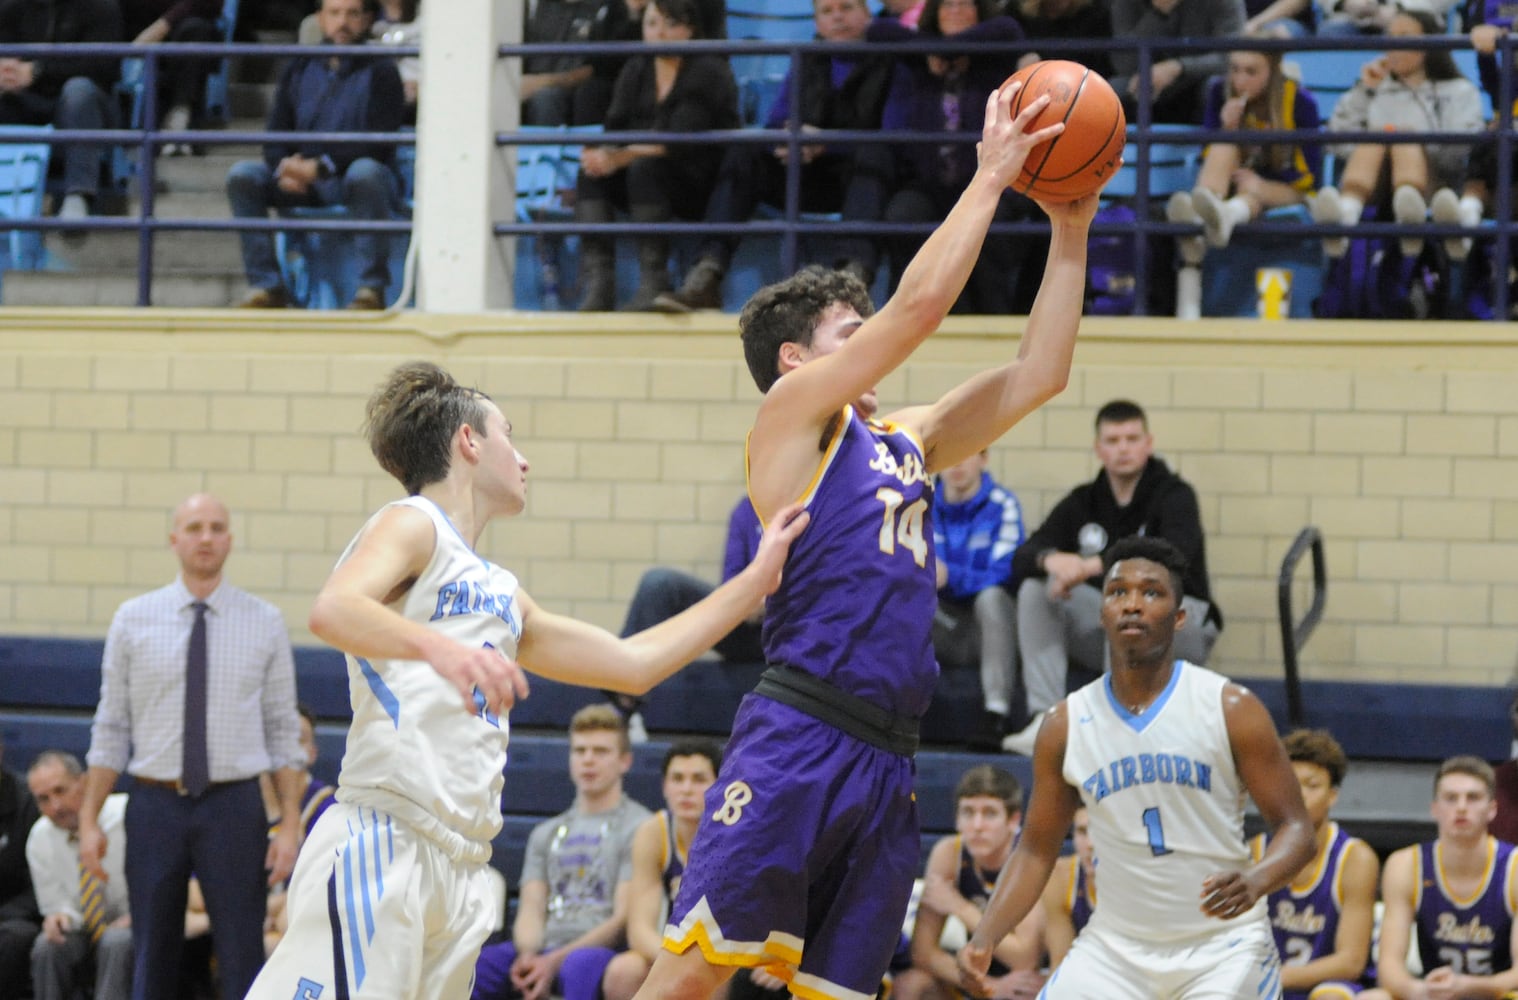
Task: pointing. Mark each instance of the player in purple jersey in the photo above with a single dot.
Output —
(1458, 893)
(1070, 897)
(1322, 921)
(806, 854)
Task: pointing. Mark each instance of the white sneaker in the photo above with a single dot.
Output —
(1217, 223)
(1325, 208)
(1409, 209)
(1182, 208)
(1444, 208)
(1022, 742)
(637, 733)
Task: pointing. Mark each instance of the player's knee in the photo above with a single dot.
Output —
(623, 976)
(688, 976)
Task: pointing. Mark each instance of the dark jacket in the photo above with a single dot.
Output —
(24, 21)
(138, 14)
(357, 95)
(1088, 520)
(853, 103)
(18, 811)
(704, 97)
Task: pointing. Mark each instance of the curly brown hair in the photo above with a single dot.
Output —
(1317, 746)
(411, 418)
(788, 312)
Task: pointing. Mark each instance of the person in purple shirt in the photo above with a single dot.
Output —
(664, 592)
(837, 92)
(808, 844)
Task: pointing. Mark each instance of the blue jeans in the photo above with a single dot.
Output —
(81, 104)
(368, 190)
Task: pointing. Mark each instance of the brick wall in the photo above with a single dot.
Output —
(1398, 441)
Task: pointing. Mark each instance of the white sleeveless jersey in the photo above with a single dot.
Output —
(1165, 802)
(413, 751)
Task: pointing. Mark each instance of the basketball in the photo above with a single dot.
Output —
(1082, 158)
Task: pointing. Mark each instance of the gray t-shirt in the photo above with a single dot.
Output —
(582, 857)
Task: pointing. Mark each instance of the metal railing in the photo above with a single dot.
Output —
(1294, 633)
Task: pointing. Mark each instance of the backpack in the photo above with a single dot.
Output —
(1375, 280)
(1110, 260)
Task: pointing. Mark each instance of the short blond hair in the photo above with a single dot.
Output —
(601, 718)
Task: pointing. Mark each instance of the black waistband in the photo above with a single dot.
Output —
(855, 716)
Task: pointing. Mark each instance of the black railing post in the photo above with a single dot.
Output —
(1294, 635)
(146, 183)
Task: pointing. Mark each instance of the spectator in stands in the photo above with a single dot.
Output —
(658, 860)
(573, 896)
(1070, 894)
(1349, 18)
(1322, 921)
(977, 526)
(194, 748)
(1280, 18)
(1505, 780)
(19, 920)
(1060, 565)
(1406, 90)
(67, 92)
(837, 92)
(1456, 894)
(1176, 80)
(181, 81)
(315, 797)
(919, 183)
(1240, 180)
(653, 181)
(663, 593)
(1068, 20)
(86, 934)
(325, 94)
(960, 875)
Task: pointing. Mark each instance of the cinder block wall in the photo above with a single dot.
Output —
(1398, 441)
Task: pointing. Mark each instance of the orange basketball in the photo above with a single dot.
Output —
(1080, 159)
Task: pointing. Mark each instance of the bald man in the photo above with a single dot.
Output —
(197, 698)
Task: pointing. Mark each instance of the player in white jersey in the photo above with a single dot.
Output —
(390, 897)
(1161, 752)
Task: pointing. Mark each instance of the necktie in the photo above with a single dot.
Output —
(195, 771)
(91, 903)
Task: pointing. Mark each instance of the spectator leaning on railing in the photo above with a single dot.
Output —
(67, 92)
(325, 94)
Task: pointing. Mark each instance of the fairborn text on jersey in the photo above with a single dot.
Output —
(1146, 769)
(461, 597)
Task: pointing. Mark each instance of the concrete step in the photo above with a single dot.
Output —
(118, 288)
(173, 252)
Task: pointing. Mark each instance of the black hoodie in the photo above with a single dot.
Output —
(1088, 520)
(24, 21)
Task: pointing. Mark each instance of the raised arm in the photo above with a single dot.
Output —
(1267, 775)
(576, 653)
(352, 612)
(1050, 812)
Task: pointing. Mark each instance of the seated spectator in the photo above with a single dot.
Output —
(1178, 80)
(329, 94)
(315, 797)
(1406, 90)
(1280, 18)
(1505, 778)
(1351, 18)
(837, 92)
(1322, 921)
(1070, 894)
(67, 92)
(1455, 894)
(1068, 20)
(19, 920)
(1240, 180)
(658, 860)
(1060, 565)
(400, 23)
(551, 84)
(1488, 21)
(663, 593)
(181, 82)
(86, 940)
(573, 896)
(653, 181)
(977, 526)
(907, 13)
(960, 877)
(918, 182)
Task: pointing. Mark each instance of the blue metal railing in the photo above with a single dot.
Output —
(1146, 228)
(791, 226)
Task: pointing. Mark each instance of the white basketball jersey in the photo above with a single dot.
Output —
(1165, 802)
(413, 751)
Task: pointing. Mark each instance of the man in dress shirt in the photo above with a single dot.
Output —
(197, 698)
(81, 925)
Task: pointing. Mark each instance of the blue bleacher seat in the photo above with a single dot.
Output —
(23, 184)
(1327, 73)
(1172, 166)
(218, 106)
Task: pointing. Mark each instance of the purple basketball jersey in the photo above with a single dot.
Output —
(1082, 898)
(1471, 936)
(976, 885)
(856, 605)
(1305, 921)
